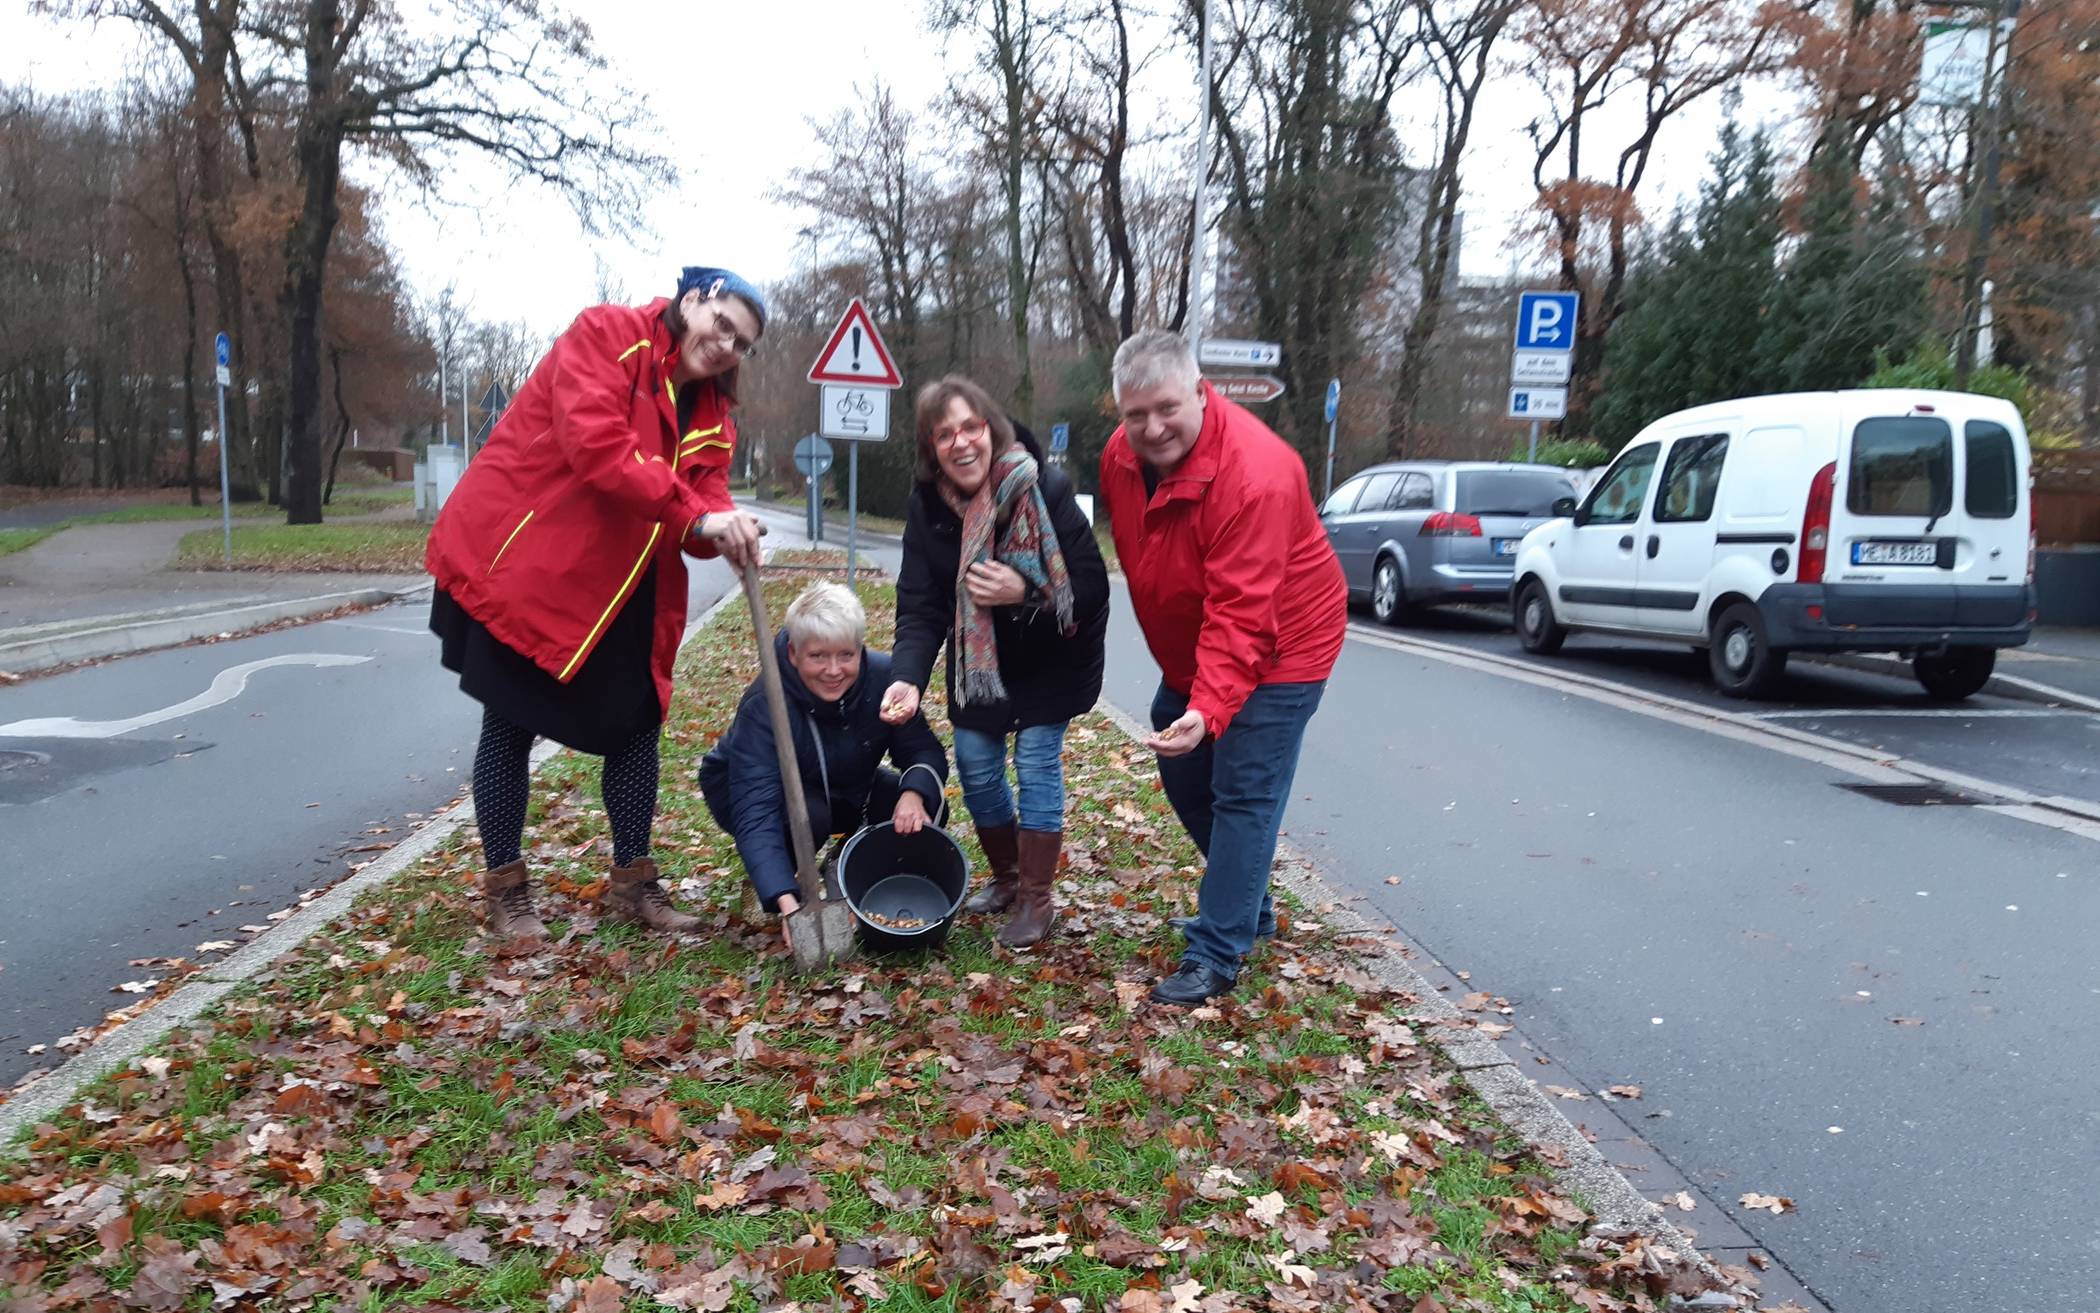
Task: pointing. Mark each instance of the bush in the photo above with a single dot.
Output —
(1568, 453)
(1929, 366)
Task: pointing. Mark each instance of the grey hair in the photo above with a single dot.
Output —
(826, 610)
(1153, 357)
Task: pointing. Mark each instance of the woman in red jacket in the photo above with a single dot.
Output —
(560, 582)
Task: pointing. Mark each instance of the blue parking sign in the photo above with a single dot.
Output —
(1546, 321)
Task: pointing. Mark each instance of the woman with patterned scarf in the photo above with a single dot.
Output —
(1000, 564)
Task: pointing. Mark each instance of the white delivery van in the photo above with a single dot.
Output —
(1878, 520)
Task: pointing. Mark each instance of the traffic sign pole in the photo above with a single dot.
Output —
(852, 509)
(1334, 410)
(1534, 458)
(223, 351)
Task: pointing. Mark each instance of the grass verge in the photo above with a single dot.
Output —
(16, 540)
(350, 548)
(400, 1117)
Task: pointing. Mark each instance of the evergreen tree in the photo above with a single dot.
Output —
(1699, 299)
(1855, 286)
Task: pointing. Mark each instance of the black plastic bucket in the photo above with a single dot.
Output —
(904, 889)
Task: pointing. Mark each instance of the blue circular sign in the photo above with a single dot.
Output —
(1334, 398)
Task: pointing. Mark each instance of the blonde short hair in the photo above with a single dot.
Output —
(826, 611)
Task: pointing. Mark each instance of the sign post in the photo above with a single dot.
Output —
(1060, 440)
(1334, 408)
(855, 374)
(1543, 360)
(813, 459)
(222, 353)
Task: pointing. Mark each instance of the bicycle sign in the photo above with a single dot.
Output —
(857, 414)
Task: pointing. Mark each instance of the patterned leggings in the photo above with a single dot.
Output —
(502, 778)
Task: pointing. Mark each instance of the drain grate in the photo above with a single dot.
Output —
(1917, 795)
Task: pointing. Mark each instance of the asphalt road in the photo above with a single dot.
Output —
(157, 827)
(1767, 955)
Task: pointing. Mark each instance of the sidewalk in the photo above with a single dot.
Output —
(103, 578)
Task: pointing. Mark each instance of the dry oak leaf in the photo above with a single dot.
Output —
(602, 1294)
(726, 1194)
(166, 1278)
(1684, 1201)
(1771, 1203)
(1563, 1092)
(1624, 1091)
(1266, 1209)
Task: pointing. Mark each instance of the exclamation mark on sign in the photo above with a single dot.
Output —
(856, 350)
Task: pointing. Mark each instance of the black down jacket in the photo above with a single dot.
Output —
(838, 748)
(1049, 678)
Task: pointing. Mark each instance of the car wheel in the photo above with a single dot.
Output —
(1742, 659)
(1956, 673)
(1533, 617)
(1388, 596)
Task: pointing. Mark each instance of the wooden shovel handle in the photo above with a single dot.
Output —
(784, 745)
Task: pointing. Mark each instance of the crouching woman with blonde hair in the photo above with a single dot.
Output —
(834, 688)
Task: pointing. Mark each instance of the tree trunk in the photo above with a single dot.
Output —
(191, 438)
(319, 152)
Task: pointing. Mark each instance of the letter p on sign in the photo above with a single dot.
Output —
(1546, 321)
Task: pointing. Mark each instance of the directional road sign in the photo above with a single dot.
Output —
(1060, 437)
(1546, 321)
(1229, 351)
(1247, 389)
(857, 414)
(1538, 403)
(854, 354)
(813, 457)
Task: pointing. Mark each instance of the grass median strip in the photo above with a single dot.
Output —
(349, 548)
(399, 1117)
(16, 540)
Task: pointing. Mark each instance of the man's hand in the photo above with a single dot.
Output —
(1180, 738)
(910, 816)
(993, 584)
(789, 905)
(735, 534)
(900, 703)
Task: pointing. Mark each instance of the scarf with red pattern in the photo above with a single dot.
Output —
(1006, 520)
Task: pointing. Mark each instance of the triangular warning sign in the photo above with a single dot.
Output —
(855, 354)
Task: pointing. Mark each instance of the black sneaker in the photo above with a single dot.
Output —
(1192, 985)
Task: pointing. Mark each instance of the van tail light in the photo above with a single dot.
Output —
(1815, 525)
(1451, 524)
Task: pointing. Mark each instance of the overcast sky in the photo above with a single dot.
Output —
(766, 70)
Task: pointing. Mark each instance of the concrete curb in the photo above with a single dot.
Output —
(2005, 686)
(1482, 1063)
(133, 634)
(63, 1086)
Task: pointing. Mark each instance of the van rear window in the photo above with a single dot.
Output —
(1901, 467)
(1993, 488)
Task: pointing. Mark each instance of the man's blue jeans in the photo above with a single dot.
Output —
(1229, 794)
(1039, 764)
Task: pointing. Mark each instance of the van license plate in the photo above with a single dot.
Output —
(1505, 547)
(1885, 553)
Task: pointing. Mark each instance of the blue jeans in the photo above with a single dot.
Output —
(1230, 793)
(1039, 763)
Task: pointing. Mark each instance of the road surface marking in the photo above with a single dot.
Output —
(386, 629)
(1933, 713)
(227, 685)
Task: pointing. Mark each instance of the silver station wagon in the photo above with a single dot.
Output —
(1415, 533)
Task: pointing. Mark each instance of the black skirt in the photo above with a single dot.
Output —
(603, 707)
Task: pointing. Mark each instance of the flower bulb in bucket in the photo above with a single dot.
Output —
(904, 889)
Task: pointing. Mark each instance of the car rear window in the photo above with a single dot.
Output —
(1992, 491)
(1901, 467)
(1528, 493)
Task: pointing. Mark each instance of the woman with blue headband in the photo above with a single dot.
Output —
(561, 580)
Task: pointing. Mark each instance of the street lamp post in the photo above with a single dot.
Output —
(1990, 130)
(1198, 246)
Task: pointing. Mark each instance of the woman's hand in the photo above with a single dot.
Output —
(994, 584)
(734, 533)
(900, 703)
(910, 816)
(789, 905)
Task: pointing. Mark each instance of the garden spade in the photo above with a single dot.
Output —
(821, 931)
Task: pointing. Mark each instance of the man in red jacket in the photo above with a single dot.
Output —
(1243, 605)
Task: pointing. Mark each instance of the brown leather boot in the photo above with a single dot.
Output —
(506, 904)
(1034, 913)
(1002, 850)
(635, 895)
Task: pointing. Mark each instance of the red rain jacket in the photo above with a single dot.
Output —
(584, 482)
(1230, 571)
